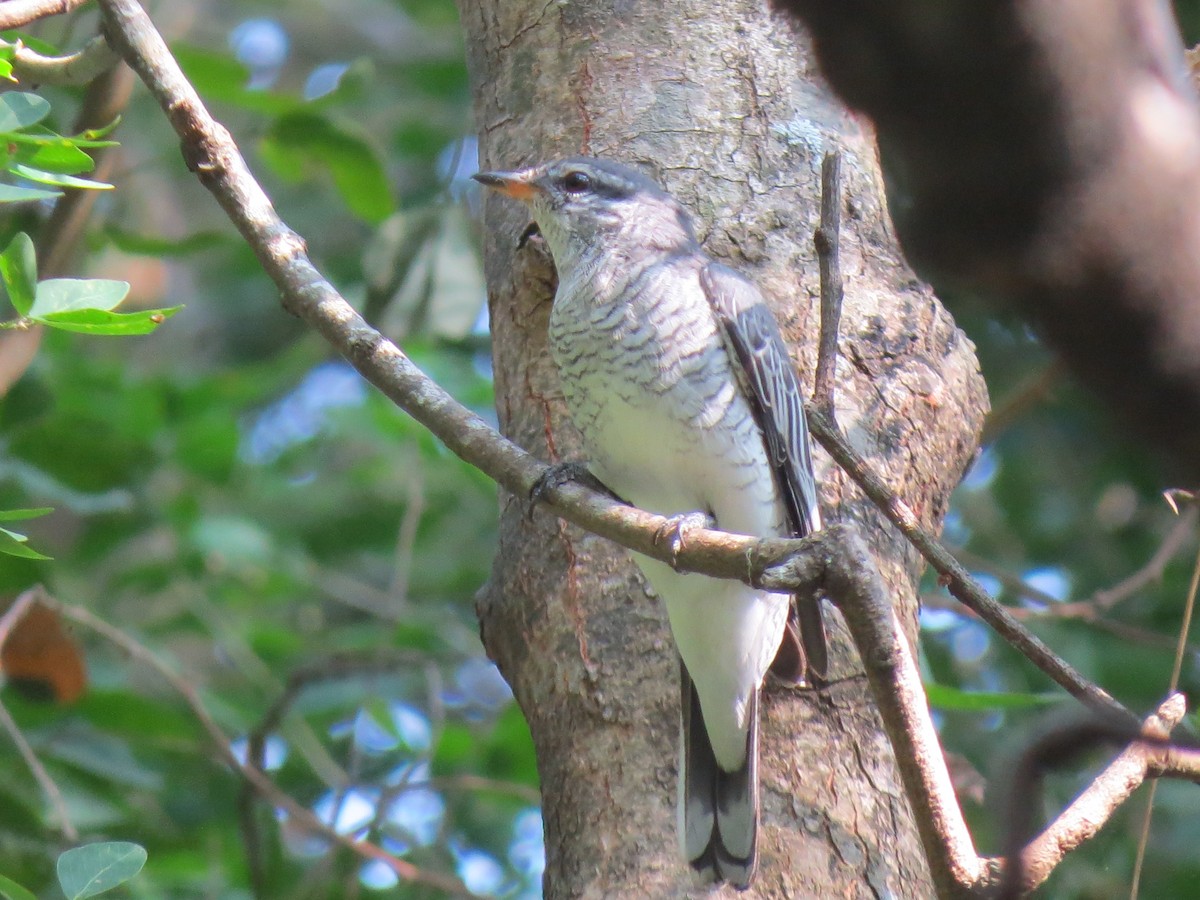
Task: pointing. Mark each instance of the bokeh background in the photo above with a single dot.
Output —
(238, 500)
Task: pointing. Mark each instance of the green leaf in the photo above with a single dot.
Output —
(45, 48)
(20, 110)
(52, 154)
(95, 868)
(953, 699)
(302, 141)
(10, 193)
(14, 515)
(18, 271)
(55, 178)
(6, 70)
(58, 295)
(10, 890)
(100, 321)
(14, 544)
(154, 245)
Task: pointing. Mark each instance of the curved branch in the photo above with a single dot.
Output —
(19, 13)
(80, 67)
(1151, 757)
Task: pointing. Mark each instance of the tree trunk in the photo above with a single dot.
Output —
(721, 101)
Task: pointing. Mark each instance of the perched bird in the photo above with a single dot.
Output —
(674, 372)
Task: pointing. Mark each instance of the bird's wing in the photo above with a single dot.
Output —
(770, 383)
(772, 386)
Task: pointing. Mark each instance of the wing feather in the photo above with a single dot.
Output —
(769, 381)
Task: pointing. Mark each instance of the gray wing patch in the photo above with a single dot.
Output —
(770, 383)
(772, 386)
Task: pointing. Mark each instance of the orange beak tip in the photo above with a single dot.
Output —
(507, 183)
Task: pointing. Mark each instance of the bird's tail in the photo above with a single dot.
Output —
(718, 810)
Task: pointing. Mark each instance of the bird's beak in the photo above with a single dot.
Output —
(518, 185)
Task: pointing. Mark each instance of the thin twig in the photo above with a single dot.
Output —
(827, 240)
(15, 613)
(1024, 397)
(1102, 600)
(45, 782)
(1089, 812)
(1176, 670)
(1121, 630)
(11, 618)
(406, 540)
(958, 581)
(296, 813)
(19, 13)
(340, 665)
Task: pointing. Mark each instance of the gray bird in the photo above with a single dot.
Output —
(674, 372)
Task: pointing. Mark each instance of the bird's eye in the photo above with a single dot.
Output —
(576, 182)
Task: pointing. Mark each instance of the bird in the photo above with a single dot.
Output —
(674, 372)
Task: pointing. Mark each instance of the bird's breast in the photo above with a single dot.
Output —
(649, 384)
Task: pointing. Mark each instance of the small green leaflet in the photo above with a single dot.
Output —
(14, 515)
(58, 295)
(20, 110)
(82, 305)
(18, 271)
(13, 543)
(95, 868)
(57, 179)
(951, 699)
(12, 194)
(10, 890)
(101, 321)
(50, 154)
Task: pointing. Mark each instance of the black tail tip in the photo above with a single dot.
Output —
(715, 866)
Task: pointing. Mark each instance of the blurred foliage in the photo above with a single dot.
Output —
(238, 501)
(241, 503)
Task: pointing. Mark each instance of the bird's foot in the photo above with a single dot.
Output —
(674, 533)
(559, 474)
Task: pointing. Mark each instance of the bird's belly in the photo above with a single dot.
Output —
(640, 447)
(727, 633)
(646, 457)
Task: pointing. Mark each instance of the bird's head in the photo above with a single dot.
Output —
(585, 206)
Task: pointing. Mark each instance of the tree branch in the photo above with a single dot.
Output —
(1092, 809)
(854, 583)
(851, 579)
(80, 67)
(19, 13)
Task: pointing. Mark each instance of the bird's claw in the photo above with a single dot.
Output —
(674, 533)
(559, 474)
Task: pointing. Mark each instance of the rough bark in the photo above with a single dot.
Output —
(721, 102)
(1049, 155)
